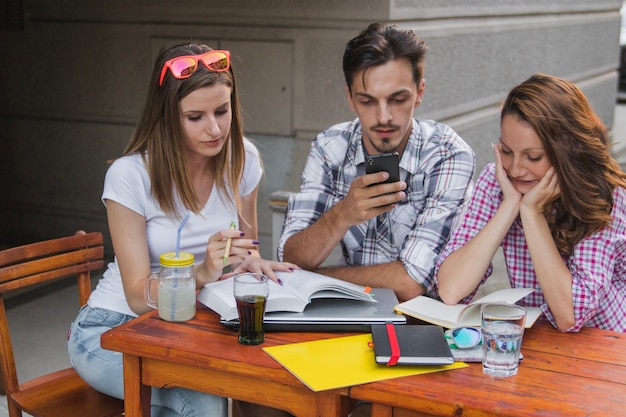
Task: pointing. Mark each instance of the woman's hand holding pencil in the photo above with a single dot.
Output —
(230, 247)
(229, 243)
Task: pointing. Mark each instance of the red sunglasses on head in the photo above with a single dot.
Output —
(185, 65)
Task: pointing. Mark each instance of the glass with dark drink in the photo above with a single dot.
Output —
(251, 291)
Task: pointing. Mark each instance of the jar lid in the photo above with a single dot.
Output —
(170, 259)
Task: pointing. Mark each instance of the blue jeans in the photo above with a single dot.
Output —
(102, 369)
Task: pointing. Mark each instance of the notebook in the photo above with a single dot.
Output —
(334, 315)
(410, 345)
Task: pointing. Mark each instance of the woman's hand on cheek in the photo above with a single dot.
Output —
(508, 189)
(544, 193)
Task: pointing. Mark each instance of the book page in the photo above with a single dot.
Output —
(310, 285)
(432, 311)
(283, 298)
(532, 314)
(294, 295)
(472, 314)
(505, 295)
(437, 312)
(218, 296)
(216, 299)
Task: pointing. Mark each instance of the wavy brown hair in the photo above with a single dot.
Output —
(577, 144)
(159, 138)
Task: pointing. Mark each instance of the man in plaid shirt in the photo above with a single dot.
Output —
(390, 233)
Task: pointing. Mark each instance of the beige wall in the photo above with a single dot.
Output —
(73, 81)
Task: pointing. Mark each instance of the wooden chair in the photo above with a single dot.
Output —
(62, 393)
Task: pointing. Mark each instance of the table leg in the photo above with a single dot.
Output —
(330, 404)
(380, 410)
(136, 395)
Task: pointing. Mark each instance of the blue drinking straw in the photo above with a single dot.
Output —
(180, 228)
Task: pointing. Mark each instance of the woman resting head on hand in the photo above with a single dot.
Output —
(555, 201)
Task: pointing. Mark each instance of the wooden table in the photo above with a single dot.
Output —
(203, 355)
(562, 374)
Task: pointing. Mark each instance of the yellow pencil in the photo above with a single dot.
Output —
(229, 243)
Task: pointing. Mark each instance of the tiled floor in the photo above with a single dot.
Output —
(39, 323)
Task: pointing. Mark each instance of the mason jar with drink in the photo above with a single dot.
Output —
(176, 287)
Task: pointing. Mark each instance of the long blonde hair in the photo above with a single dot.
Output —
(158, 136)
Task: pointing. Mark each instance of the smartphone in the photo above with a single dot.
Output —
(388, 162)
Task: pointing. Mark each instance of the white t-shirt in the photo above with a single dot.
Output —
(127, 182)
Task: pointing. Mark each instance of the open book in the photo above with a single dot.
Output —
(298, 289)
(437, 312)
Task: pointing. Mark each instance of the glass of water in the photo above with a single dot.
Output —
(502, 326)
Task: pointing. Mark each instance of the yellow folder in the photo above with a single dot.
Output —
(341, 362)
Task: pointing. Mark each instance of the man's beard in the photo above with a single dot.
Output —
(384, 145)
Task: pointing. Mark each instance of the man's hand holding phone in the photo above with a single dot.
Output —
(384, 162)
(372, 194)
(388, 162)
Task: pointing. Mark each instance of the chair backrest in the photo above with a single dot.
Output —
(38, 263)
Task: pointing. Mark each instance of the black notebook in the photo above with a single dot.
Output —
(410, 345)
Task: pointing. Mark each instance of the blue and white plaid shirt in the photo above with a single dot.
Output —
(437, 166)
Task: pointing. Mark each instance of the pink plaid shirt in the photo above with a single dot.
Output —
(597, 264)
